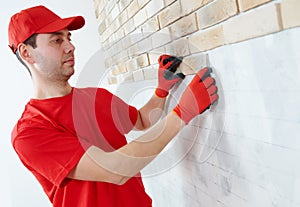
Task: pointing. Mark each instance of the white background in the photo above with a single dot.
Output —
(17, 186)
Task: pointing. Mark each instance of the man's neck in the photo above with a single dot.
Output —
(52, 91)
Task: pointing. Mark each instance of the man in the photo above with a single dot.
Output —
(72, 139)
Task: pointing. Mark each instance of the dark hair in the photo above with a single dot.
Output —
(32, 42)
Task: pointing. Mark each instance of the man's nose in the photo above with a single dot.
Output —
(69, 47)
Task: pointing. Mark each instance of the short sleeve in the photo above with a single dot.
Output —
(50, 152)
(127, 116)
(124, 116)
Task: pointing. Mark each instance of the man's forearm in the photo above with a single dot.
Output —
(151, 112)
(133, 157)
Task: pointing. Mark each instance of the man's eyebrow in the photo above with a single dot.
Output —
(59, 33)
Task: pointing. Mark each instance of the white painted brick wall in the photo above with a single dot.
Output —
(245, 152)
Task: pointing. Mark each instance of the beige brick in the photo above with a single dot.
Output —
(153, 7)
(108, 8)
(140, 17)
(138, 75)
(142, 3)
(136, 35)
(115, 12)
(144, 46)
(189, 6)
(123, 17)
(108, 19)
(109, 32)
(168, 2)
(121, 57)
(131, 64)
(184, 26)
(131, 39)
(126, 41)
(155, 53)
(96, 7)
(126, 77)
(101, 5)
(178, 48)
(159, 50)
(114, 26)
(111, 39)
(132, 9)
(112, 80)
(150, 26)
(117, 23)
(105, 44)
(123, 4)
(108, 62)
(261, 21)
(290, 13)
(108, 52)
(104, 36)
(118, 47)
(216, 12)
(161, 38)
(115, 70)
(169, 14)
(121, 67)
(128, 26)
(249, 4)
(192, 64)
(207, 39)
(102, 27)
(150, 73)
(153, 57)
(120, 33)
(132, 50)
(142, 60)
(101, 16)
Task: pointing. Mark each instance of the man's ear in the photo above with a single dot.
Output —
(24, 52)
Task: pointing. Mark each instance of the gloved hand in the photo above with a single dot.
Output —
(166, 74)
(199, 95)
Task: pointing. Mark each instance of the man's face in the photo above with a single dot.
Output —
(54, 55)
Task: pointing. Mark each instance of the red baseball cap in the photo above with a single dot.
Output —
(38, 19)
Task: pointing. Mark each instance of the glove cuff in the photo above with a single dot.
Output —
(161, 93)
(183, 116)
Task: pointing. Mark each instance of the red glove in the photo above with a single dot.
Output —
(199, 95)
(166, 74)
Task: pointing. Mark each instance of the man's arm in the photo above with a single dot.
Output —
(167, 78)
(150, 113)
(118, 166)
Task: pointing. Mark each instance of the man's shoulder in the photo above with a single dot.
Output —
(30, 118)
(91, 92)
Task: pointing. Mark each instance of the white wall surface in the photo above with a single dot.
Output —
(18, 187)
(244, 152)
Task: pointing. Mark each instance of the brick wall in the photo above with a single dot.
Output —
(244, 152)
(134, 32)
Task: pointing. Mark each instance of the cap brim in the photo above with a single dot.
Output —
(71, 23)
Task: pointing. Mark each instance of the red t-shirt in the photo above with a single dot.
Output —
(53, 134)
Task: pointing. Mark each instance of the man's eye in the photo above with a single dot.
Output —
(58, 40)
